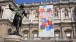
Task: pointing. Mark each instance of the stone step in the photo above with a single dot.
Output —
(12, 38)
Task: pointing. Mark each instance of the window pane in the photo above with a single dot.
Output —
(25, 38)
(57, 35)
(56, 12)
(35, 35)
(25, 35)
(65, 12)
(68, 34)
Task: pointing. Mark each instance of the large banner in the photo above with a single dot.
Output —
(46, 18)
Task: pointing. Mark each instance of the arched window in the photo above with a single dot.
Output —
(35, 34)
(57, 34)
(68, 33)
(25, 34)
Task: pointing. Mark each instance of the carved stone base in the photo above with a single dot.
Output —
(12, 38)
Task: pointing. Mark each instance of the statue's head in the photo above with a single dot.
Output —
(21, 6)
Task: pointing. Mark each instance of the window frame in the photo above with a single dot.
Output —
(66, 12)
(56, 13)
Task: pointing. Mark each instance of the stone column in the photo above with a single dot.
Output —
(30, 33)
(63, 33)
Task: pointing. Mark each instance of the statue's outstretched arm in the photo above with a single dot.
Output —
(11, 8)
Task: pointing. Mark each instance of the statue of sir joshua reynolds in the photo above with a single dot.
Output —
(18, 17)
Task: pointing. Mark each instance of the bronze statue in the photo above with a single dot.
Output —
(18, 17)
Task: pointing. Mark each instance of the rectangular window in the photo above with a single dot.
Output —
(56, 12)
(66, 12)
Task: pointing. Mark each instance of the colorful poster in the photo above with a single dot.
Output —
(46, 18)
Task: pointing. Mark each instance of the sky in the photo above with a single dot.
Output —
(31, 1)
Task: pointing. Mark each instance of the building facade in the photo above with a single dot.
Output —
(64, 21)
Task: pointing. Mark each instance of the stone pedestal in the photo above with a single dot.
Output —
(12, 38)
(4, 25)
